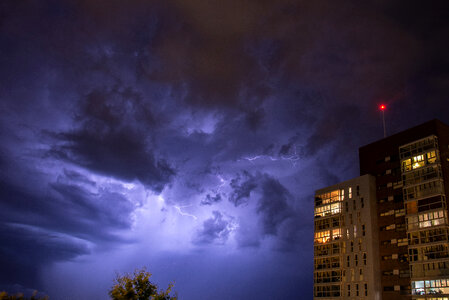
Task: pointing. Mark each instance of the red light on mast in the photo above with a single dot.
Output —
(382, 107)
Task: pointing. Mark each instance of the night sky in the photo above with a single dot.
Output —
(189, 136)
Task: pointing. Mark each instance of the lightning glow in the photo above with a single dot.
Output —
(178, 208)
(293, 158)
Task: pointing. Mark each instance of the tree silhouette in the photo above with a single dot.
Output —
(137, 286)
(20, 296)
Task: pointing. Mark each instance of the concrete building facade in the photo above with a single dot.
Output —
(346, 241)
(409, 215)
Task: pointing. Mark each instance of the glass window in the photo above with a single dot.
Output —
(431, 157)
(407, 165)
(418, 162)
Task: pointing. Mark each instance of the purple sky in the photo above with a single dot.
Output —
(189, 136)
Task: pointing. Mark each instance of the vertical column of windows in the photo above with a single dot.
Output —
(426, 213)
(328, 244)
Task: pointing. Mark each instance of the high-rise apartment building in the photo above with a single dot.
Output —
(346, 242)
(410, 215)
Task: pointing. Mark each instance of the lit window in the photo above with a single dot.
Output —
(418, 161)
(336, 234)
(326, 210)
(322, 237)
(390, 227)
(431, 157)
(407, 165)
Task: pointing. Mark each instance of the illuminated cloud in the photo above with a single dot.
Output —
(190, 136)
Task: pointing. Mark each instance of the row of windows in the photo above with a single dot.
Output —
(400, 273)
(329, 249)
(322, 237)
(324, 249)
(327, 276)
(430, 269)
(421, 175)
(327, 210)
(337, 276)
(397, 213)
(400, 258)
(426, 204)
(356, 260)
(430, 287)
(325, 236)
(428, 219)
(352, 278)
(327, 263)
(326, 291)
(330, 197)
(355, 290)
(326, 223)
(429, 252)
(398, 242)
(418, 147)
(419, 161)
(396, 227)
(335, 196)
(427, 236)
(395, 198)
(423, 190)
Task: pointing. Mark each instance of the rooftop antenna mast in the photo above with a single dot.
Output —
(382, 108)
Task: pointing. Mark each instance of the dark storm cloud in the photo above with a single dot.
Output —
(209, 200)
(71, 175)
(24, 250)
(242, 187)
(58, 225)
(206, 50)
(113, 139)
(215, 230)
(67, 208)
(274, 204)
(107, 208)
(121, 89)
